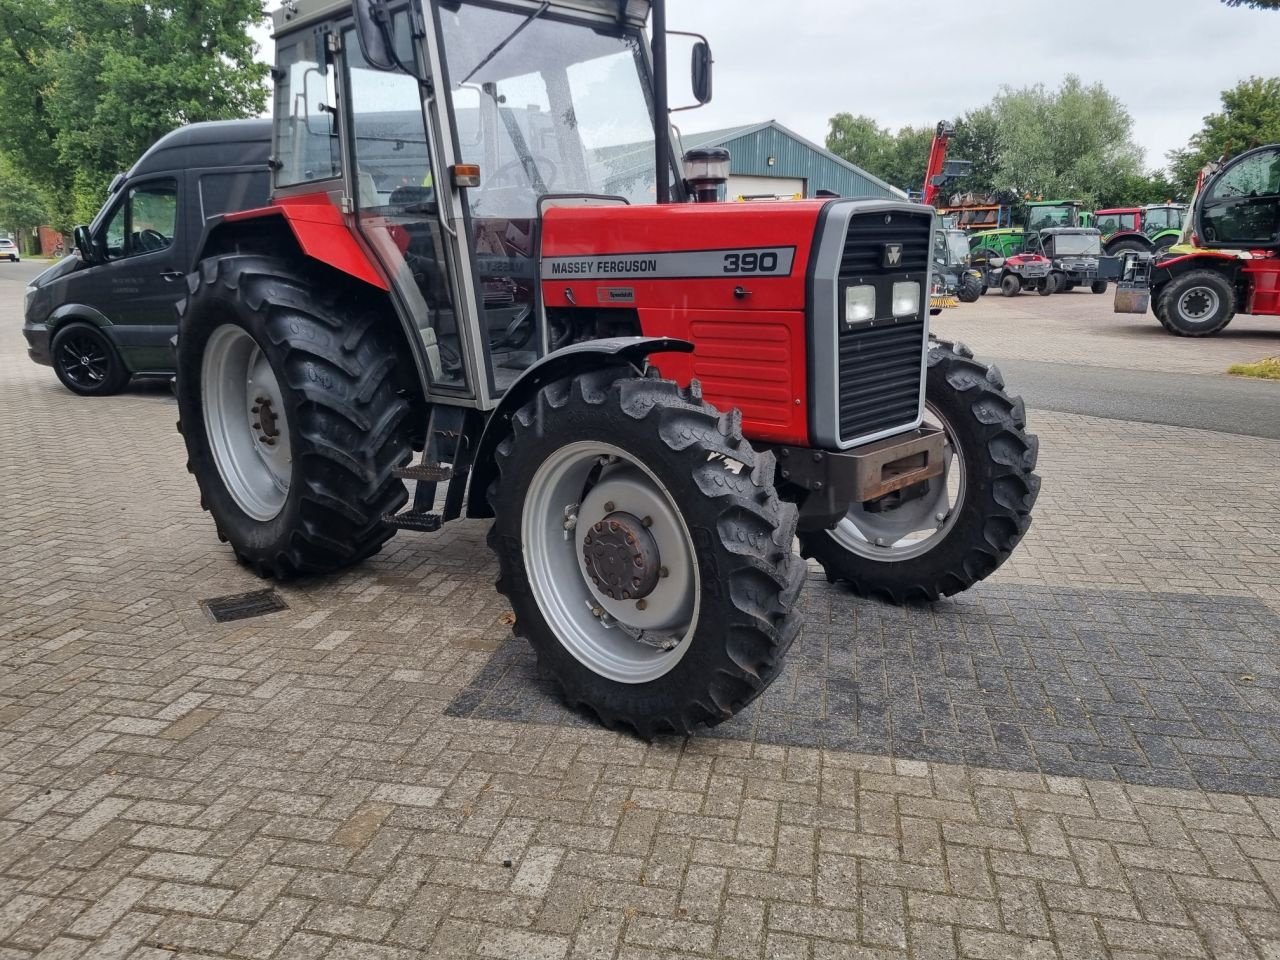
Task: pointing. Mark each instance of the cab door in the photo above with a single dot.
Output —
(1240, 207)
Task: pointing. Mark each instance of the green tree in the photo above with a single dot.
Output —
(1073, 142)
(860, 140)
(88, 85)
(1255, 4)
(977, 139)
(1250, 116)
(22, 209)
(906, 157)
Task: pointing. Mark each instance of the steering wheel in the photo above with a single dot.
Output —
(544, 165)
(150, 239)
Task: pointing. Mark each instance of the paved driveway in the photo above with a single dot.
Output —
(1079, 758)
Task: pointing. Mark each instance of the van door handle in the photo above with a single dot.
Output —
(172, 274)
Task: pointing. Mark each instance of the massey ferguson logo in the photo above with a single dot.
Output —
(892, 255)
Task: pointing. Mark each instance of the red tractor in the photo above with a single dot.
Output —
(480, 247)
(1232, 263)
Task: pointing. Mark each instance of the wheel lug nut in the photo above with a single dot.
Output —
(608, 506)
(641, 604)
(664, 572)
(647, 521)
(257, 426)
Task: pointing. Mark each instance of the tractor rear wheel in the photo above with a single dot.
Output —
(1121, 247)
(291, 415)
(1011, 285)
(969, 520)
(644, 550)
(1197, 304)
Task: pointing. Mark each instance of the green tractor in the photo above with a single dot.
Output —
(987, 245)
(1151, 229)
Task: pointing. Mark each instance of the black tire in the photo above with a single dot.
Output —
(1057, 282)
(1010, 285)
(1164, 243)
(86, 362)
(999, 458)
(1179, 297)
(971, 288)
(348, 423)
(1119, 248)
(741, 532)
(1098, 286)
(1046, 286)
(1070, 285)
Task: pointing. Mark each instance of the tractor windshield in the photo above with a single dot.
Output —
(957, 246)
(557, 107)
(1048, 216)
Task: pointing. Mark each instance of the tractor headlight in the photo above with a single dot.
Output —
(859, 303)
(906, 298)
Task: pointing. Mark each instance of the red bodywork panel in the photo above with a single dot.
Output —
(323, 234)
(750, 349)
(1264, 286)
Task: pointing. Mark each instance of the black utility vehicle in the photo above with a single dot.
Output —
(108, 313)
(1076, 254)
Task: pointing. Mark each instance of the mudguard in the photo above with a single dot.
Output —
(567, 362)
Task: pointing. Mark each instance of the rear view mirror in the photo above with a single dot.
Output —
(84, 244)
(373, 27)
(701, 71)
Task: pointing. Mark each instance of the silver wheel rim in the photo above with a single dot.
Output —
(1198, 304)
(917, 526)
(624, 640)
(245, 420)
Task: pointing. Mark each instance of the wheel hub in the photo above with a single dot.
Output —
(622, 557)
(267, 424)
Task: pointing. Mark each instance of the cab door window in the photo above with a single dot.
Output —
(145, 221)
(1243, 205)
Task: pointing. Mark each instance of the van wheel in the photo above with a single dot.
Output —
(87, 362)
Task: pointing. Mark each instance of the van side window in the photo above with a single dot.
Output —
(144, 222)
(306, 143)
(228, 192)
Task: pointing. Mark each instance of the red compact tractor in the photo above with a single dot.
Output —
(480, 246)
(1232, 264)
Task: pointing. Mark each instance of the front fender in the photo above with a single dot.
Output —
(568, 362)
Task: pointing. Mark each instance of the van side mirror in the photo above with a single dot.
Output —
(84, 244)
(701, 71)
(373, 28)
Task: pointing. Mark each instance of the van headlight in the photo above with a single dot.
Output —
(906, 298)
(859, 303)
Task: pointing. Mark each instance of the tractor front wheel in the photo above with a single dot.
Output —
(291, 415)
(967, 522)
(1198, 303)
(645, 552)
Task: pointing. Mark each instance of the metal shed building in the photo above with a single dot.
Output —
(770, 160)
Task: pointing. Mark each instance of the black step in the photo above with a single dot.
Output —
(420, 521)
(423, 472)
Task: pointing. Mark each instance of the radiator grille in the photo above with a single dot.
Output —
(880, 370)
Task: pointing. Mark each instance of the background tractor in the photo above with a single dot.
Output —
(651, 402)
(953, 274)
(1233, 261)
(1151, 229)
(1038, 215)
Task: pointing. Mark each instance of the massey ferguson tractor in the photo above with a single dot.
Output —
(481, 249)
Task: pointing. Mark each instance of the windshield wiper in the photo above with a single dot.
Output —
(511, 36)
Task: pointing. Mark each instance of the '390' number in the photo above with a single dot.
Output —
(766, 262)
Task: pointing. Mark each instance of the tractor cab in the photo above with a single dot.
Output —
(1239, 208)
(532, 101)
(1043, 215)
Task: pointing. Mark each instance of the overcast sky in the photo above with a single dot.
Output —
(914, 62)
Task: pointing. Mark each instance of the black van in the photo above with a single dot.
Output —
(105, 314)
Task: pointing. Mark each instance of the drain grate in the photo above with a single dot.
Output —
(242, 606)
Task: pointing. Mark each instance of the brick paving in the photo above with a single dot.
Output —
(298, 785)
(1080, 328)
